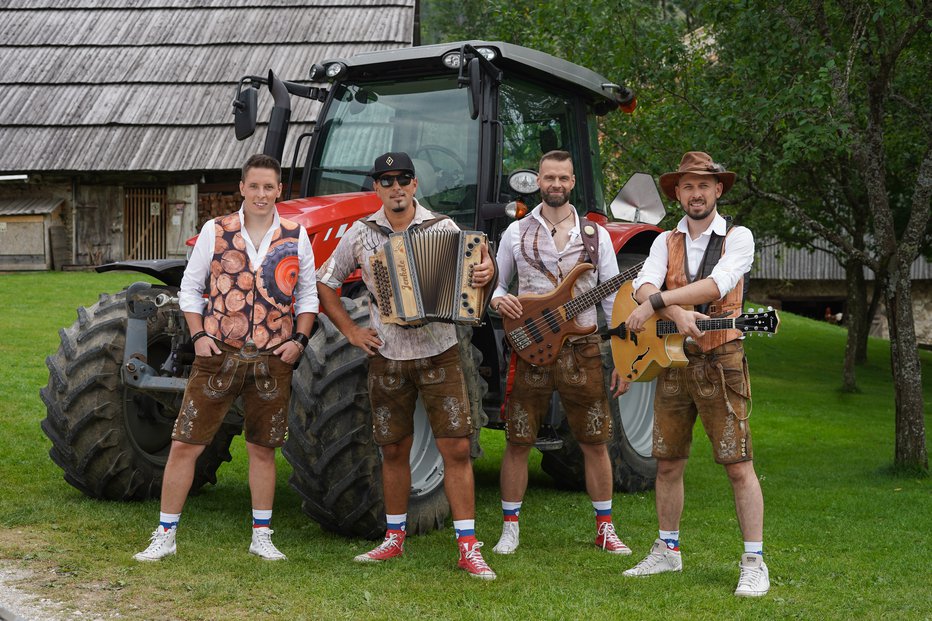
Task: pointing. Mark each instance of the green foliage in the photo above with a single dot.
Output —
(838, 524)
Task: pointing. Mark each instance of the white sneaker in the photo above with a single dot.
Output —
(755, 579)
(263, 547)
(508, 542)
(661, 559)
(161, 544)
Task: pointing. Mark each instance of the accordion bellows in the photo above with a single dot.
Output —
(426, 275)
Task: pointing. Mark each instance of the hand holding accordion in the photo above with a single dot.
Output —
(426, 275)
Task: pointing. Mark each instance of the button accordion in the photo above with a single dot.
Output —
(426, 275)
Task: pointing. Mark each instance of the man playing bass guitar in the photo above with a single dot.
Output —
(542, 249)
(702, 262)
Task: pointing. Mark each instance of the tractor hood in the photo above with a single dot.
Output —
(327, 218)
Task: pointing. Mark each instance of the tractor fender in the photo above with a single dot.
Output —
(169, 271)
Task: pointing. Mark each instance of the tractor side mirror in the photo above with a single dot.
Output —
(245, 107)
(639, 201)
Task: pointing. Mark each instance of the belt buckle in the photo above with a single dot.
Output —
(249, 350)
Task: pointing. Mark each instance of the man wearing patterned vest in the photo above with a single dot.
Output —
(541, 250)
(702, 263)
(257, 271)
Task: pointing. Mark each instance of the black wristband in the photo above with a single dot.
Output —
(197, 335)
(656, 301)
(301, 339)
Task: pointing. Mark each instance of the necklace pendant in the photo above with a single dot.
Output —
(553, 231)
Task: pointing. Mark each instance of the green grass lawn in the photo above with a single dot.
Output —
(844, 538)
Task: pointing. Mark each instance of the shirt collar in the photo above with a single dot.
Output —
(717, 226)
(420, 215)
(276, 221)
(536, 213)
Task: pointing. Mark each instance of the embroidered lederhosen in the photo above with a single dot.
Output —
(245, 306)
(727, 306)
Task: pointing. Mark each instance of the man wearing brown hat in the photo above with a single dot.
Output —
(406, 363)
(701, 264)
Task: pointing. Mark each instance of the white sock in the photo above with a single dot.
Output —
(754, 547)
(167, 520)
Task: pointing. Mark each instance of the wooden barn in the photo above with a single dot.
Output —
(117, 123)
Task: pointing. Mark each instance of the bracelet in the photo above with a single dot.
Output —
(301, 339)
(197, 335)
(656, 301)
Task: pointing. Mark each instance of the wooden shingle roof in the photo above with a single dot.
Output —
(112, 85)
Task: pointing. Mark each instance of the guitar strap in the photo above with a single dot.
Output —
(713, 254)
(590, 237)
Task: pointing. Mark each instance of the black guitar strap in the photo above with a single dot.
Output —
(713, 254)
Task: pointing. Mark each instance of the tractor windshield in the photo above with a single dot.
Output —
(428, 119)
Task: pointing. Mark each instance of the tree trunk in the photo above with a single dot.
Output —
(910, 452)
(855, 311)
(879, 280)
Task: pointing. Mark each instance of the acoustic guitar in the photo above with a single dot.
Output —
(549, 319)
(641, 356)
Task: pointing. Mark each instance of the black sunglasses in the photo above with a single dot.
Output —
(387, 181)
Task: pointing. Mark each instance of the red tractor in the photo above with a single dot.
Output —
(475, 117)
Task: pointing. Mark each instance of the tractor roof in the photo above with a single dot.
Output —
(427, 59)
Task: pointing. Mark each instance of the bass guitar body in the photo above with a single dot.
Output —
(538, 334)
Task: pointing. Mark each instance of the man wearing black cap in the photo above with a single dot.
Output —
(701, 263)
(406, 363)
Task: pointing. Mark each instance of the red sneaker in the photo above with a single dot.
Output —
(471, 560)
(392, 546)
(608, 540)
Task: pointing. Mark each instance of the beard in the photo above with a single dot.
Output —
(555, 199)
(701, 215)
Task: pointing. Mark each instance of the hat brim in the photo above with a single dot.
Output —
(376, 175)
(668, 181)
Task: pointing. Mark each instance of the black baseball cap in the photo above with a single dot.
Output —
(393, 161)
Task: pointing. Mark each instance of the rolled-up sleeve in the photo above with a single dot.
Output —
(191, 294)
(505, 257)
(655, 267)
(305, 300)
(736, 260)
(342, 260)
(608, 267)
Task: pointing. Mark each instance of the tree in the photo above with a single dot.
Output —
(822, 107)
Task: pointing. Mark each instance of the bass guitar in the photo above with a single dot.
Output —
(549, 319)
(641, 356)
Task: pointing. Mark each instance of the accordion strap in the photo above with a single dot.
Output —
(378, 228)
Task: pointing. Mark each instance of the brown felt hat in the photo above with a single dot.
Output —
(697, 163)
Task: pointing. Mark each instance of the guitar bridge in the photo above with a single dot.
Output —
(519, 339)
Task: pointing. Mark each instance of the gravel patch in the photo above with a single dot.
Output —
(18, 604)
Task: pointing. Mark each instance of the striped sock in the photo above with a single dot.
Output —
(511, 511)
(603, 510)
(396, 521)
(261, 518)
(169, 521)
(671, 538)
(465, 530)
(754, 547)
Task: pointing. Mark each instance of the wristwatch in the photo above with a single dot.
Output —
(301, 339)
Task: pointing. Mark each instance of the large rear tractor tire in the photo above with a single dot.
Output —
(336, 463)
(112, 440)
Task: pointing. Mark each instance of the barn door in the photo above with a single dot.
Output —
(144, 223)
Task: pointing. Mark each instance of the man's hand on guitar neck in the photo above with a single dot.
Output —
(684, 319)
(507, 305)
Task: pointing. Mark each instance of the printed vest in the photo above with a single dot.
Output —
(542, 269)
(252, 306)
(728, 306)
